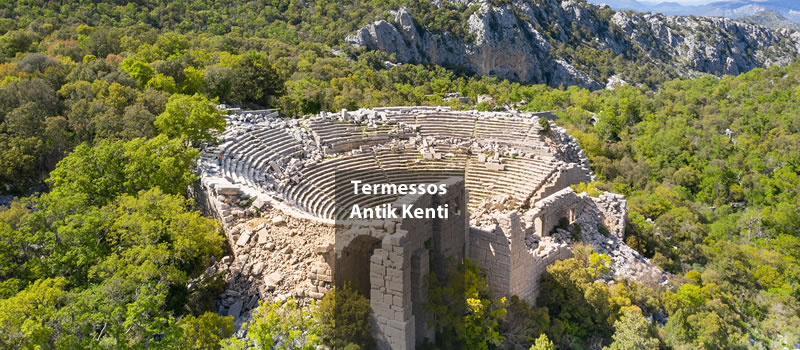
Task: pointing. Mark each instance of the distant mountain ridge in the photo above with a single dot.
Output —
(563, 43)
(789, 9)
(772, 20)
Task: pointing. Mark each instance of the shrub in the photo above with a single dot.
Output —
(343, 319)
(545, 124)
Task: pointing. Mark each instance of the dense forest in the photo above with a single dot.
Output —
(103, 106)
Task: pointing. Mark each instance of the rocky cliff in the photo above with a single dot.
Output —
(575, 43)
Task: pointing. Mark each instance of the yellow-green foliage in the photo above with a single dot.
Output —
(343, 319)
(590, 188)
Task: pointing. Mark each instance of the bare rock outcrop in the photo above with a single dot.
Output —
(518, 41)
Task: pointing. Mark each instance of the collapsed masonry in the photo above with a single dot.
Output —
(271, 182)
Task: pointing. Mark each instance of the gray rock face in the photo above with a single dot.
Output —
(516, 42)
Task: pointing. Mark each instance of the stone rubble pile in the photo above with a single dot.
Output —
(609, 213)
(274, 258)
(602, 225)
(566, 148)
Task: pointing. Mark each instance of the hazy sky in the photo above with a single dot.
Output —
(682, 2)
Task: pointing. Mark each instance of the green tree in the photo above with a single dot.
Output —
(138, 70)
(464, 314)
(543, 343)
(126, 264)
(163, 82)
(343, 318)
(193, 80)
(193, 118)
(280, 325)
(98, 174)
(255, 80)
(205, 331)
(28, 319)
(633, 332)
(218, 81)
(16, 41)
(573, 295)
(524, 322)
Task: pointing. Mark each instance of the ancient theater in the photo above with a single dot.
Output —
(284, 192)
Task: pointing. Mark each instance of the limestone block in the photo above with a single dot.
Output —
(377, 270)
(394, 273)
(243, 239)
(263, 234)
(278, 220)
(324, 248)
(380, 309)
(396, 260)
(396, 286)
(228, 190)
(236, 309)
(396, 324)
(257, 268)
(325, 277)
(376, 280)
(272, 280)
(378, 258)
(259, 203)
(386, 244)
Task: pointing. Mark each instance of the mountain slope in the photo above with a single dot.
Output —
(571, 42)
(771, 19)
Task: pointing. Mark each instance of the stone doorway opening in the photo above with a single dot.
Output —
(353, 265)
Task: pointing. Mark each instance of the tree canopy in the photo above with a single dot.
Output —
(193, 118)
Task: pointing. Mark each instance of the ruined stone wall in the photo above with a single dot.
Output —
(513, 266)
(614, 212)
(517, 249)
(547, 212)
(450, 236)
(491, 250)
(400, 262)
(394, 322)
(563, 176)
(529, 266)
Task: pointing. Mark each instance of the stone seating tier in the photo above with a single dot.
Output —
(503, 130)
(323, 179)
(446, 125)
(250, 153)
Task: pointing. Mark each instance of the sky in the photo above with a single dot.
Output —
(682, 2)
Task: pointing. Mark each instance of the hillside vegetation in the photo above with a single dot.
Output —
(103, 106)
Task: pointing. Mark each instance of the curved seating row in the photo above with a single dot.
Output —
(249, 158)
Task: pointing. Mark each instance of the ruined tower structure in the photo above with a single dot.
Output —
(282, 190)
